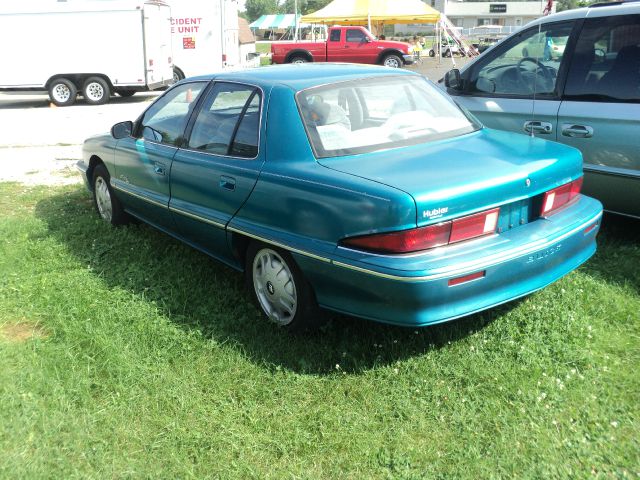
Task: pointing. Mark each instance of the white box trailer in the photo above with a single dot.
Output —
(91, 47)
(205, 36)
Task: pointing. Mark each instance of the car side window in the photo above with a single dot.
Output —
(335, 35)
(525, 66)
(355, 36)
(606, 63)
(228, 122)
(165, 121)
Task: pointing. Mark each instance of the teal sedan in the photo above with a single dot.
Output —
(356, 189)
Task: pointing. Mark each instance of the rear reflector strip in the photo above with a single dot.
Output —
(590, 228)
(467, 278)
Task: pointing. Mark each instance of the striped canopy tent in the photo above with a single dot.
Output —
(362, 12)
(275, 22)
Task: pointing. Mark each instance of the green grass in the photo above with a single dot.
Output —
(263, 47)
(126, 354)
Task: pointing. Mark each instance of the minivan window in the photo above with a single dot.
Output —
(525, 66)
(606, 62)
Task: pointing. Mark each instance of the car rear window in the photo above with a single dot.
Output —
(378, 113)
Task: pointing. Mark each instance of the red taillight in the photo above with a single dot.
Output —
(477, 225)
(423, 238)
(556, 198)
(404, 241)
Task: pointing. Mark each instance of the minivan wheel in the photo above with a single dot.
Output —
(279, 289)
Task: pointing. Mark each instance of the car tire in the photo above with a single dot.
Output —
(96, 91)
(107, 204)
(432, 53)
(393, 61)
(447, 53)
(278, 288)
(62, 92)
(298, 59)
(126, 93)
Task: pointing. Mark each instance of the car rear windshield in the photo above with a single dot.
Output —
(378, 113)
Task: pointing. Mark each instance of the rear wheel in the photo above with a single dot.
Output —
(107, 204)
(62, 92)
(279, 289)
(298, 59)
(392, 61)
(96, 91)
(177, 75)
(432, 53)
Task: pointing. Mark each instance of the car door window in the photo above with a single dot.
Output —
(526, 65)
(606, 63)
(335, 35)
(165, 121)
(228, 122)
(355, 36)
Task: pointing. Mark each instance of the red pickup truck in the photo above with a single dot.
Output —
(345, 44)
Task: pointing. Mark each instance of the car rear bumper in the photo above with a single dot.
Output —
(500, 269)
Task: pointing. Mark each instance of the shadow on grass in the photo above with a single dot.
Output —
(618, 255)
(197, 292)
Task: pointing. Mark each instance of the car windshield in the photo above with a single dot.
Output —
(373, 114)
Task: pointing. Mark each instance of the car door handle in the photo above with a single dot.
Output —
(159, 169)
(227, 182)
(534, 126)
(577, 131)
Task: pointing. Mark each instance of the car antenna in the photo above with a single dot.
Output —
(535, 87)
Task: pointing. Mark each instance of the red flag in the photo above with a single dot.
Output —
(547, 9)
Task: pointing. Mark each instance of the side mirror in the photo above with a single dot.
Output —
(122, 130)
(452, 79)
(366, 40)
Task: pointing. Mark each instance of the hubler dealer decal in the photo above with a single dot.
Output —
(435, 213)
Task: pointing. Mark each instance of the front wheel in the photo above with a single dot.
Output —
(62, 92)
(107, 204)
(279, 289)
(96, 91)
(392, 61)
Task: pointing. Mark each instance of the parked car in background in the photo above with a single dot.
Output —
(345, 44)
(358, 189)
(585, 94)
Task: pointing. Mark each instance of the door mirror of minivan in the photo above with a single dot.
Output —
(122, 130)
(452, 79)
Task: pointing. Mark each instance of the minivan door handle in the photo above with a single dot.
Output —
(534, 126)
(577, 131)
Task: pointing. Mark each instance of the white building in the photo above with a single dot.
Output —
(467, 15)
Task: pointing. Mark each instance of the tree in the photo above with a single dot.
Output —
(255, 8)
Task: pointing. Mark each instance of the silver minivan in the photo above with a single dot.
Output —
(572, 77)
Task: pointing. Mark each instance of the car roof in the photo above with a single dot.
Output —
(306, 75)
(595, 10)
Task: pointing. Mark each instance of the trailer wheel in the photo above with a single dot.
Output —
(62, 92)
(432, 53)
(96, 91)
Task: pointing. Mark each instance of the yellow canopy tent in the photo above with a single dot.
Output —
(363, 12)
